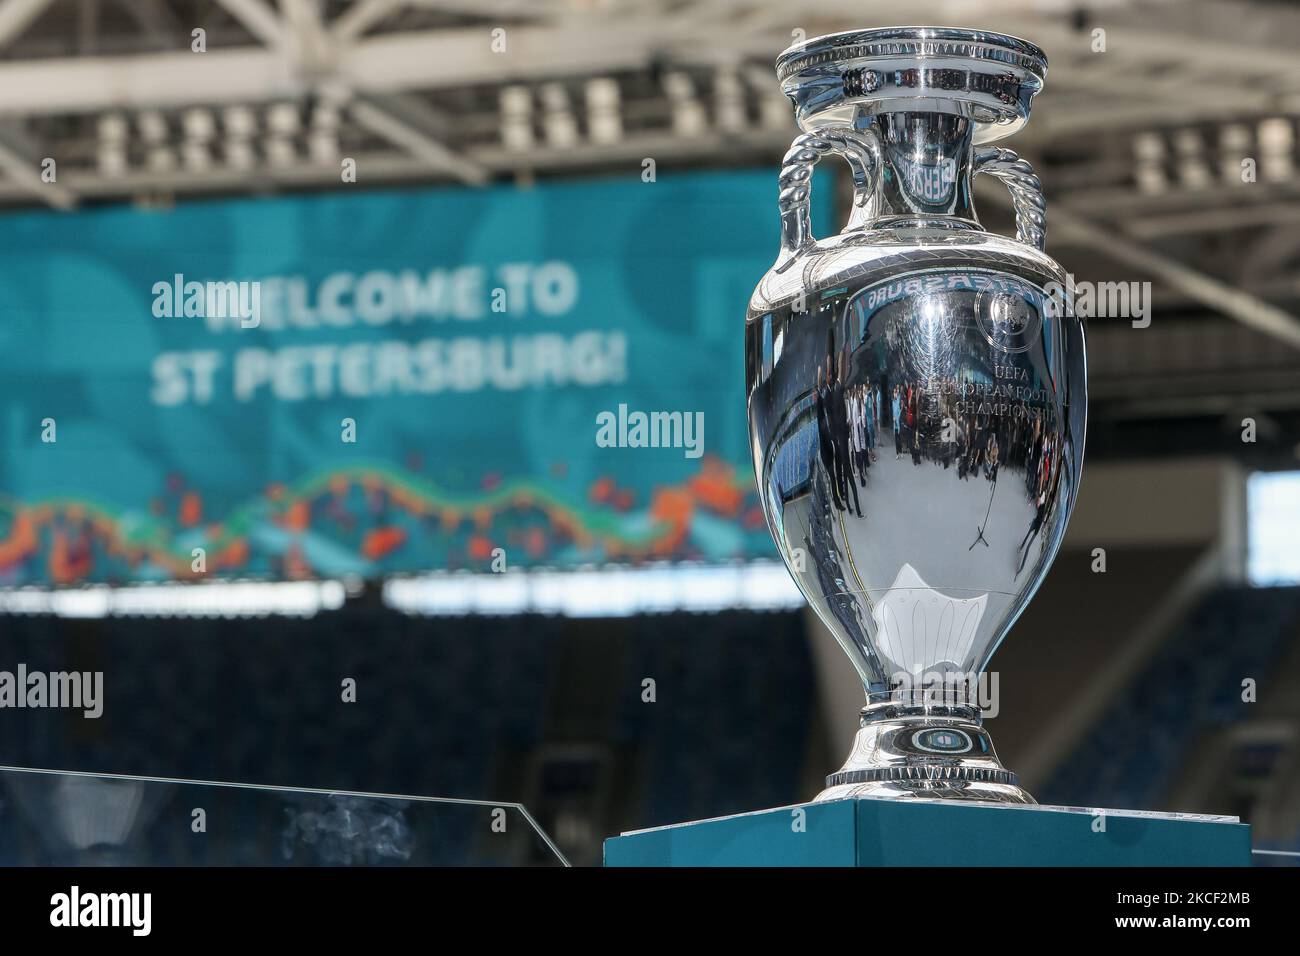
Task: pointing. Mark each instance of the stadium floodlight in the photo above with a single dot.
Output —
(729, 99)
(687, 110)
(239, 125)
(516, 104)
(558, 122)
(604, 121)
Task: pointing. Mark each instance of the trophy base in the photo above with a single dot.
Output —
(925, 751)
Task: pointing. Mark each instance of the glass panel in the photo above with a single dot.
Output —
(50, 817)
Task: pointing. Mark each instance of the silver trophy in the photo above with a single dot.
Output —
(917, 391)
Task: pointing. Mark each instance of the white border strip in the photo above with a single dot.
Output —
(593, 592)
(217, 599)
(615, 592)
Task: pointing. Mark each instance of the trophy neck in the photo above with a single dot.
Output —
(926, 166)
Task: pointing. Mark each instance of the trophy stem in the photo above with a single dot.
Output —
(926, 751)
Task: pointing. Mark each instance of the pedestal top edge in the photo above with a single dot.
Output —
(1087, 811)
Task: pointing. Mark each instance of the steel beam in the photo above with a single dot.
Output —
(17, 15)
(255, 17)
(1235, 303)
(418, 142)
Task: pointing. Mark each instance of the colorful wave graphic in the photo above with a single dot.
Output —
(375, 518)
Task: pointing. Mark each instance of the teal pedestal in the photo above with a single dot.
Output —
(868, 832)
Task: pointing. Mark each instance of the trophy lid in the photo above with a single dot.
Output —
(834, 80)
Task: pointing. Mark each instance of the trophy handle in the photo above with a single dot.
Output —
(1026, 192)
(862, 153)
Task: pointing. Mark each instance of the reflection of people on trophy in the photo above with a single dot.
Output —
(896, 422)
(825, 445)
(977, 424)
(1039, 479)
(863, 409)
(839, 422)
(991, 458)
(834, 432)
(914, 422)
(873, 419)
(858, 432)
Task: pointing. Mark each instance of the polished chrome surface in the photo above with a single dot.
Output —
(917, 411)
(838, 80)
(932, 750)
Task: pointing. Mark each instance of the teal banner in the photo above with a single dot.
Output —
(381, 382)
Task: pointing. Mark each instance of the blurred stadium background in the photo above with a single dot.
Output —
(507, 142)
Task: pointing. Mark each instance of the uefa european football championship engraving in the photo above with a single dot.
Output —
(917, 391)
